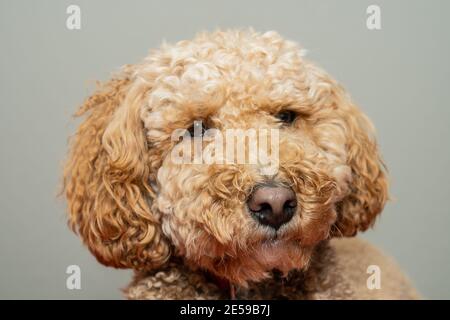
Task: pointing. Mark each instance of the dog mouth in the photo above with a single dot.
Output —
(274, 237)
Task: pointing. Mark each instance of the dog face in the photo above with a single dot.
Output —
(135, 206)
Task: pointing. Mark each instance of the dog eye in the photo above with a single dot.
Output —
(286, 116)
(198, 129)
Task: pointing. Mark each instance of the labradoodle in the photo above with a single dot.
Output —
(224, 228)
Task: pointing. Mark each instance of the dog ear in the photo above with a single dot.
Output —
(368, 189)
(106, 180)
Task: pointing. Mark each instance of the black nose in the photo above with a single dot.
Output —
(272, 206)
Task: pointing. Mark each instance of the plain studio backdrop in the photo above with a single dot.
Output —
(398, 75)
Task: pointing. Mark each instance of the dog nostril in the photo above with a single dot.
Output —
(272, 206)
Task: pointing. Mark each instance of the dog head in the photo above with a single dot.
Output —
(135, 203)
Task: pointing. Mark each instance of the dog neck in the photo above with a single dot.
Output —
(224, 285)
(178, 281)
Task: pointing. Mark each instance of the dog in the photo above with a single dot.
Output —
(227, 229)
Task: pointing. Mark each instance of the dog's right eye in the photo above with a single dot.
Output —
(198, 129)
(286, 117)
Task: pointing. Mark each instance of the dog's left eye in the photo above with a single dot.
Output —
(286, 116)
(198, 129)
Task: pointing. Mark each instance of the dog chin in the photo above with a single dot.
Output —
(283, 256)
(257, 264)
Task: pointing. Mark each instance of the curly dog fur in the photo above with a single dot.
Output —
(135, 208)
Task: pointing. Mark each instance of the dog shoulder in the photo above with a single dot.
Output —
(369, 273)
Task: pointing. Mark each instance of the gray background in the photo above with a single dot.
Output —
(398, 75)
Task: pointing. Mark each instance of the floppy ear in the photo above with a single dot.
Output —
(106, 180)
(369, 184)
